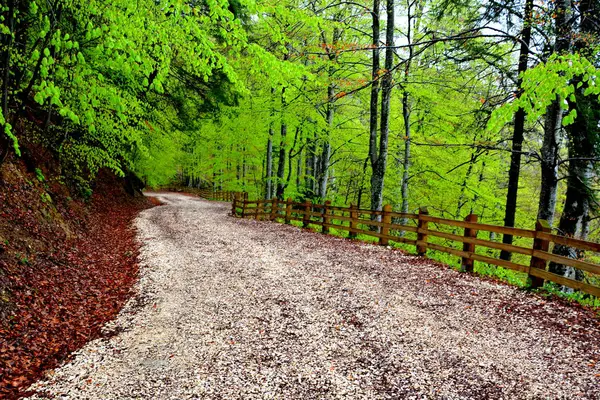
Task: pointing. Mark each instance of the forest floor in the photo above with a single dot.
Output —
(67, 266)
(237, 308)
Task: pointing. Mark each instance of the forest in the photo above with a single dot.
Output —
(464, 106)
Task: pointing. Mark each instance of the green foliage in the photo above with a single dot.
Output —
(111, 79)
(39, 175)
(46, 199)
(547, 81)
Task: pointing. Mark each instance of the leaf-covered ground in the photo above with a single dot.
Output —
(243, 309)
(66, 268)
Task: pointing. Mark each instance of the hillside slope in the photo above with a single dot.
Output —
(67, 264)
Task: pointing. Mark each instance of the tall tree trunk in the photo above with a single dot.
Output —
(518, 133)
(282, 153)
(326, 151)
(553, 122)
(298, 170)
(576, 206)
(269, 161)
(386, 96)
(376, 180)
(406, 155)
(329, 114)
(549, 163)
(406, 114)
(379, 158)
(291, 156)
(269, 174)
(324, 173)
(361, 188)
(584, 143)
(309, 176)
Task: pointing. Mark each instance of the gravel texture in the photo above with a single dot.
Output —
(232, 308)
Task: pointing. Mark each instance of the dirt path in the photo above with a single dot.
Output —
(232, 308)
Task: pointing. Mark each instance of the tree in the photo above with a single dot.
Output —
(518, 132)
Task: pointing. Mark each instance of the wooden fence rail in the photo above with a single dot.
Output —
(388, 226)
(221, 195)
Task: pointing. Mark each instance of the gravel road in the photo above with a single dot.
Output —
(239, 309)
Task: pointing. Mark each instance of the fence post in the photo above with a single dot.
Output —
(325, 212)
(234, 206)
(259, 210)
(539, 244)
(422, 237)
(353, 221)
(244, 200)
(306, 216)
(386, 219)
(288, 210)
(274, 208)
(468, 263)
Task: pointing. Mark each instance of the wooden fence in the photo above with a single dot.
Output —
(421, 230)
(222, 195)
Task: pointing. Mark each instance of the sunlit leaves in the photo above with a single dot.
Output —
(543, 83)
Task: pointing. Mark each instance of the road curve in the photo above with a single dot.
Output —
(240, 309)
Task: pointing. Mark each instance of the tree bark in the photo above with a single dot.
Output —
(549, 163)
(379, 156)
(376, 180)
(269, 174)
(518, 133)
(282, 153)
(326, 151)
(584, 142)
(386, 96)
(309, 176)
(553, 122)
(406, 114)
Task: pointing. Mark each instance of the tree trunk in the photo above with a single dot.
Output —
(583, 134)
(518, 132)
(584, 142)
(553, 122)
(549, 163)
(298, 170)
(376, 180)
(326, 151)
(282, 153)
(386, 96)
(406, 114)
(269, 174)
(406, 155)
(324, 173)
(380, 157)
(309, 177)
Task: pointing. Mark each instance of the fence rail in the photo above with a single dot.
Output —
(388, 226)
(221, 195)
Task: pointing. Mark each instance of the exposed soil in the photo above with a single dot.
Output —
(232, 308)
(66, 268)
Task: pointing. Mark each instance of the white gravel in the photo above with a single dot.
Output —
(240, 309)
